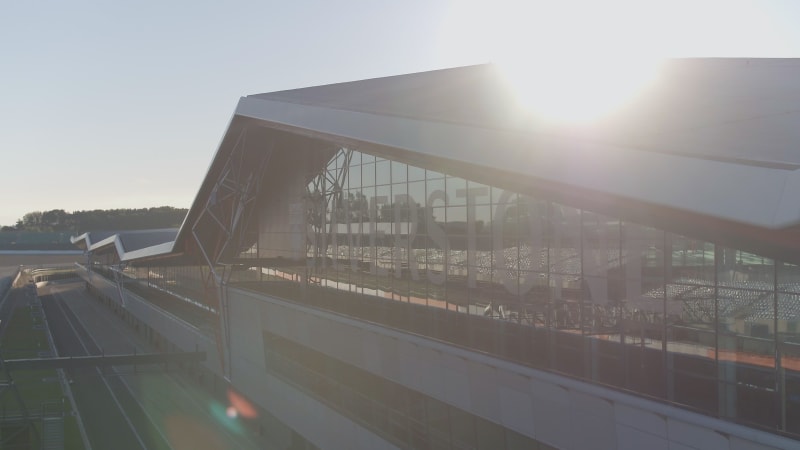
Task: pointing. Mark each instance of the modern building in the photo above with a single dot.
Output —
(419, 262)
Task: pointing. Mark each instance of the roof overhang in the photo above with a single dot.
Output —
(128, 245)
(758, 195)
(713, 154)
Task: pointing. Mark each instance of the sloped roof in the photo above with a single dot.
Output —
(126, 243)
(715, 141)
(736, 109)
(86, 240)
(717, 137)
(472, 95)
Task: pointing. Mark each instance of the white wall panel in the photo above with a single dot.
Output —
(538, 404)
(318, 330)
(677, 446)
(276, 318)
(744, 444)
(456, 389)
(455, 373)
(695, 436)
(350, 339)
(431, 380)
(408, 374)
(390, 365)
(299, 329)
(246, 334)
(551, 414)
(639, 419)
(372, 356)
(629, 438)
(516, 410)
(483, 390)
(594, 417)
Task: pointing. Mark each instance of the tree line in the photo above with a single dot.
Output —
(58, 220)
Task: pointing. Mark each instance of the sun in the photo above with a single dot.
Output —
(566, 62)
(577, 89)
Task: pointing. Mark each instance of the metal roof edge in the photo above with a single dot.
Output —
(104, 242)
(788, 210)
(201, 192)
(737, 193)
(148, 252)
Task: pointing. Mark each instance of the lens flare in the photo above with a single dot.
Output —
(231, 412)
(242, 407)
(221, 414)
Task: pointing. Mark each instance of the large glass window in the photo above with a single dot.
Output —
(787, 323)
(519, 276)
(548, 284)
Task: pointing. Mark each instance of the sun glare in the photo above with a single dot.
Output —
(577, 90)
(566, 61)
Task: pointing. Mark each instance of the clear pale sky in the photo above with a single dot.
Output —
(122, 104)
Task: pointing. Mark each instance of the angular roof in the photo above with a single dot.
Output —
(713, 142)
(738, 109)
(727, 126)
(127, 243)
(86, 240)
(472, 95)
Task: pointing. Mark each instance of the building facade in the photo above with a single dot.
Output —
(366, 293)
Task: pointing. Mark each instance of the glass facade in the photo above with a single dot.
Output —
(620, 303)
(545, 284)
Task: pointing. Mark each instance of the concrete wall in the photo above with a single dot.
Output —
(318, 423)
(314, 420)
(282, 211)
(283, 199)
(170, 328)
(559, 411)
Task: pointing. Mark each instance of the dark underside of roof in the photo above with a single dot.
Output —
(698, 93)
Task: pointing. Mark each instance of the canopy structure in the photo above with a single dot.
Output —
(127, 245)
(655, 249)
(710, 150)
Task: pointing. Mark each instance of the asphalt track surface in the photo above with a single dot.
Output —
(123, 408)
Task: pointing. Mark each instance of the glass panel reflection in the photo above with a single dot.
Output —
(551, 285)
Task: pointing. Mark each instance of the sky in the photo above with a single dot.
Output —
(123, 104)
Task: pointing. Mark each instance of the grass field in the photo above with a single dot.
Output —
(36, 259)
(25, 337)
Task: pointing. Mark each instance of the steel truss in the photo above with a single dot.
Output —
(117, 270)
(324, 193)
(228, 211)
